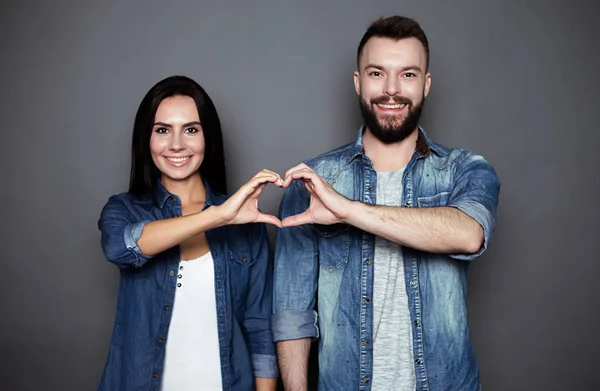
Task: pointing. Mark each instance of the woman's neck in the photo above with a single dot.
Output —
(190, 191)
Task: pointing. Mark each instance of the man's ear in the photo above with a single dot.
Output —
(427, 84)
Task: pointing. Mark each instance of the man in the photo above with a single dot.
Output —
(383, 229)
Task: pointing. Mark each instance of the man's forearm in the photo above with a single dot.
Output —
(293, 363)
(437, 230)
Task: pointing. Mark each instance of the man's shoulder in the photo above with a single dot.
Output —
(445, 155)
(339, 155)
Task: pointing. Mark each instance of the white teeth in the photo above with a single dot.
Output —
(397, 106)
(178, 159)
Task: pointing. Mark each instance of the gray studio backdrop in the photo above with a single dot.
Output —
(515, 81)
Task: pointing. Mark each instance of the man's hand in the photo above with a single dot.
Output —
(326, 207)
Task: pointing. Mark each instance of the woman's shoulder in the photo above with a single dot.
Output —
(130, 198)
(128, 204)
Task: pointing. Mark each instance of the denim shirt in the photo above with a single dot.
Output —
(334, 266)
(243, 290)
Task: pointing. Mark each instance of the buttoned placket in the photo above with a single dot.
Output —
(366, 309)
(412, 284)
(171, 208)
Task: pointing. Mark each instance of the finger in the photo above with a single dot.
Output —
(269, 219)
(250, 187)
(307, 176)
(296, 168)
(309, 187)
(256, 193)
(279, 182)
(259, 180)
(289, 178)
(287, 181)
(292, 221)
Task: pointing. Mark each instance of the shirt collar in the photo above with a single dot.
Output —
(161, 195)
(424, 145)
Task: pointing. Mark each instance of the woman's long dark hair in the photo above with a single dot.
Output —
(144, 173)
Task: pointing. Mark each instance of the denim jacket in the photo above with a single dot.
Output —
(333, 265)
(243, 289)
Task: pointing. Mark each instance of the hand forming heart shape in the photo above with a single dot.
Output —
(326, 206)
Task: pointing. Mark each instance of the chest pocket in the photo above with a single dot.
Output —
(333, 241)
(440, 199)
(240, 263)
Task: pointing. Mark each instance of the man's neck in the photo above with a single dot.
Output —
(389, 157)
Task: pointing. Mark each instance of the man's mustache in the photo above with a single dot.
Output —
(395, 99)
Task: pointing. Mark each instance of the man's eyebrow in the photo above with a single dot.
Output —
(404, 69)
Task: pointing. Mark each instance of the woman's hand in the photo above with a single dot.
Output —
(242, 207)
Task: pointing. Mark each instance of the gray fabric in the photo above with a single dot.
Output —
(393, 365)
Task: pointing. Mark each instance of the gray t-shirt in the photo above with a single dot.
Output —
(393, 364)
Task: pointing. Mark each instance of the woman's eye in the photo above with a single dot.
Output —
(191, 130)
(162, 130)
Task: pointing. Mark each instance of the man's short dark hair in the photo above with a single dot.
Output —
(394, 27)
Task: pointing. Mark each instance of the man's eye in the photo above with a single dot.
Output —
(375, 73)
(409, 74)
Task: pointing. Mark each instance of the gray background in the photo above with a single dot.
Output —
(514, 81)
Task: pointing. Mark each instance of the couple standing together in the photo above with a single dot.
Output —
(371, 254)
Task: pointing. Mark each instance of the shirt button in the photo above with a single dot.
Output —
(171, 273)
(179, 276)
(368, 261)
(244, 259)
(370, 188)
(365, 341)
(367, 301)
(417, 323)
(160, 340)
(180, 267)
(365, 379)
(155, 375)
(174, 199)
(412, 283)
(175, 215)
(418, 362)
(179, 285)
(166, 308)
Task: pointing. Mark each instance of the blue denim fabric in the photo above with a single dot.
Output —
(243, 289)
(333, 265)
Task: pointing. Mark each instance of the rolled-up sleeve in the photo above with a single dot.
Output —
(265, 365)
(120, 235)
(476, 192)
(295, 273)
(257, 322)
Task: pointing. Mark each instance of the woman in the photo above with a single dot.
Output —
(195, 292)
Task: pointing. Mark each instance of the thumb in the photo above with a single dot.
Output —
(300, 219)
(269, 219)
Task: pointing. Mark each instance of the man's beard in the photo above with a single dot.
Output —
(393, 128)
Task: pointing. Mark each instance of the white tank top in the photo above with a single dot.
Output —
(192, 360)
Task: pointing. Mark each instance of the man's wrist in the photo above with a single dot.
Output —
(351, 210)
